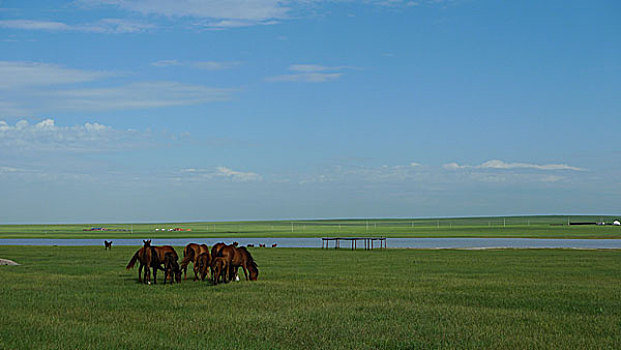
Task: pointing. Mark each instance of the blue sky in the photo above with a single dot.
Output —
(153, 110)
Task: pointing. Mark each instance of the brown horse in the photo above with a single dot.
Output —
(203, 262)
(107, 245)
(220, 269)
(239, 257)
(190, 255)
(171, 268)
(151, 256)
(215, 249)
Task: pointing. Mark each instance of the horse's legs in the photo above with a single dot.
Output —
(245, 271)
(140, 273)
(147, 274)
(154, 275)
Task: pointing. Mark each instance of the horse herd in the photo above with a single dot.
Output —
(221, 263)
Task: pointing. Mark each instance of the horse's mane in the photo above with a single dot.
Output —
(251, 261)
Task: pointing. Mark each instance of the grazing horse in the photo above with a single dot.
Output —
(171, 268)
(250, 245)
(261, 245)
(216, 248)
(190, 254)
(220, 269)
(107, 245)
(151, 256)
(203, 262)
(239, 257)
(274, 245)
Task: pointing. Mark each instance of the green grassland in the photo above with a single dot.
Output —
(83, 298)
(514, 226)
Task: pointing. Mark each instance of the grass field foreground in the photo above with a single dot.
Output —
(82, 297)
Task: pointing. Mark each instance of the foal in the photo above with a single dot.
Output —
(220, 268)
(171, 268)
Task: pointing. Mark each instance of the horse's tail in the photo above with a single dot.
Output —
(132, 262)
(187, 258)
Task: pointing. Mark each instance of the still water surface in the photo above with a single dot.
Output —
(421, 243)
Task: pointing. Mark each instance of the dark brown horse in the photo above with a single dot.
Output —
(151, 257)
(203, 262)
(239, 257)
(108, 245)
(171, 268)
(190, 255)
(215, 249)
(220, 269)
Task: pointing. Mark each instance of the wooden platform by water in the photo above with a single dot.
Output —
(368, 242)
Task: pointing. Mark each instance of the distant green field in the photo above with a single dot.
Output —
(83, 298)
(513, 226)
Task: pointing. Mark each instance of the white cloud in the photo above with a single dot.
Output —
(499, 164)
(453, 166)
(27, 24)
(381, 174)
(46, 136)
(306, 77)
(31, 88)
(106, 25)
(310, 73)
(228, 23)
(222, 172)
(206, 65)
(133, 96)
(115, 26)
(6, 169)
(308, 68)
(26, 74)
(255, 10)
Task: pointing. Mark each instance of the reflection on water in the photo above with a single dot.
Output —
(422, 243)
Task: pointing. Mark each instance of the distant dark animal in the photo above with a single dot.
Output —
(171, 268)
(274, 245)
(250, 245)
(220, 269)
(239, 257)
(261, 245)
(108, 245)
(151, 257)
(190, 254)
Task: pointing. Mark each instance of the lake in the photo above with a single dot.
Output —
(419, 243)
